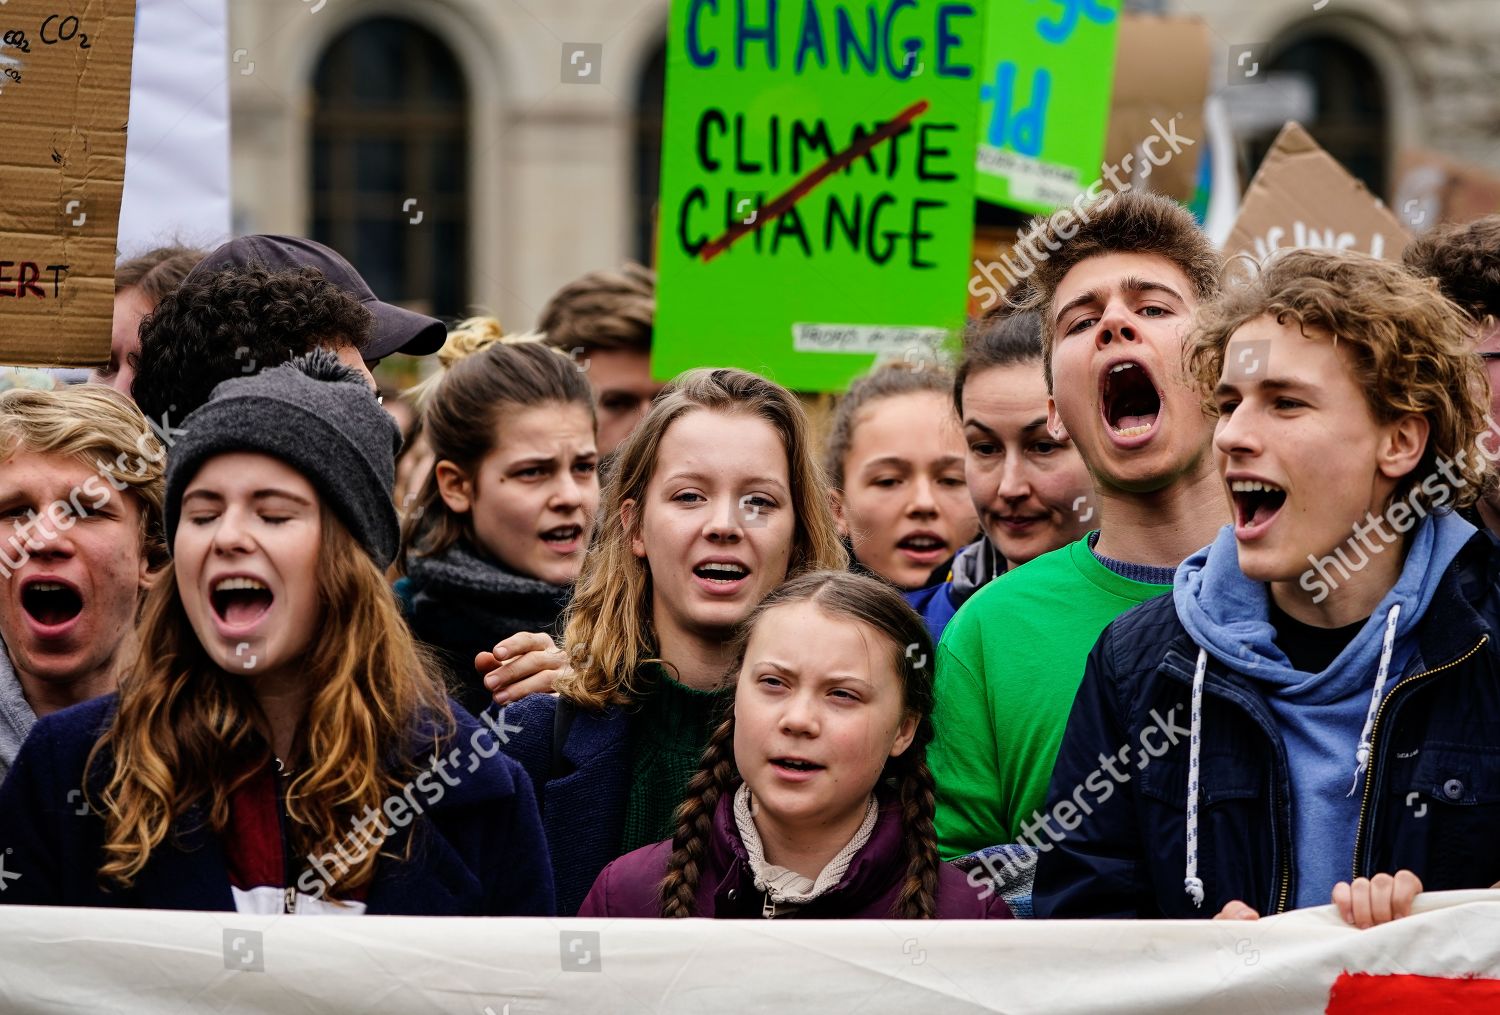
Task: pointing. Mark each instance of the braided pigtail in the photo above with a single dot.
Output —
(716, 776)
(917, 797)
(881, 608)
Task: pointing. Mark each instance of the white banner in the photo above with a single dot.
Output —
(73, 960)
(177, 149)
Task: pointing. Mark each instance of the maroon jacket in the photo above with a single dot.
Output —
(630, 886)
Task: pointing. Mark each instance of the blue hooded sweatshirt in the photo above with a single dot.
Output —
(1320, 716)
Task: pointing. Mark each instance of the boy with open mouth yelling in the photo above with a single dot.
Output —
(81, 493)
(1116, 299)
(1332, 650)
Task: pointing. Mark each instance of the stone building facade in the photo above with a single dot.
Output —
(477, 154)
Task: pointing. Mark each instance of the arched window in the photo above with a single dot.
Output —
(648, 118)
(390, 162)
(1351, 118)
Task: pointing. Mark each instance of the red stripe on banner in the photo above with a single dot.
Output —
(1369, 994)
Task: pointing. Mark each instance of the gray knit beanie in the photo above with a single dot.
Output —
(321, 418)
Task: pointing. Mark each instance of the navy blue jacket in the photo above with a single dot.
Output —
(479, 849)
(1431, 798)
(584, 799)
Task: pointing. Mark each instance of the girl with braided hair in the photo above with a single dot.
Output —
(813, 799)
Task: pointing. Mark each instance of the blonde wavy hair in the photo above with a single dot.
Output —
(184, 734)
(1414, 350)
(96, 426)
(608, 631)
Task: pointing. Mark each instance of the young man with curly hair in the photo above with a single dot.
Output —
(1333, 647)
(256, 302)
(1116, 295)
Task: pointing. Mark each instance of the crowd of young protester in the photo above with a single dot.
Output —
(1170, 600)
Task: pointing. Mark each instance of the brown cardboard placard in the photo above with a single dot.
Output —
(989, 273)
(1432, 188)
(1302, 197)
(1161, 72)
(64, 102)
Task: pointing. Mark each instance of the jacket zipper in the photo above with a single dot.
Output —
(1286, 861)
(768, 907)
(289, 893)
(1364, 803)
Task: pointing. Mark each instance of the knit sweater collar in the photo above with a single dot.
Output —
(460, 568)
(675, 711)
(787, 886)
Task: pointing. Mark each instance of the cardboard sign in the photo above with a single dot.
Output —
(817, 184)
(1433, 188)
(64, 100)
(1302, 197)
(1044, 105)
(1161, 72)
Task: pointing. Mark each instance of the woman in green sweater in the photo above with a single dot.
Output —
(714, 501)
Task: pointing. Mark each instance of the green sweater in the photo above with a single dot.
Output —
(1008, 668)
(669, 728)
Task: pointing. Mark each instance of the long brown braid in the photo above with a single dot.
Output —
(881, 607)
(917, 793)
(716, 776)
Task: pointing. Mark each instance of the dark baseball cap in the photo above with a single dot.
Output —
(394, 330)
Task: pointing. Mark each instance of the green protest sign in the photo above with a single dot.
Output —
(1044, 105)
(817, 184)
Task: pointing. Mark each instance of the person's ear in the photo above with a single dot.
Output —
(628, 519)
(905, 734)
(454, 486)
(1402, 446)
(1055, 426)
(148, 574)
(840, 522)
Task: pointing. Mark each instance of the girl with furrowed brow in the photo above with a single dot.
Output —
(276, 700)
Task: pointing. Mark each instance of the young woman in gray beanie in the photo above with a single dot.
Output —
(496, 537)
(281, 744)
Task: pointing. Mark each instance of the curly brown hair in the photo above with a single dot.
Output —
(232, 322)
(1465, 261)
(1413, 349)
(1134, 222)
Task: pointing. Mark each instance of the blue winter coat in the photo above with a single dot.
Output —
(479, 849)
(1430, 801)
(584, 797)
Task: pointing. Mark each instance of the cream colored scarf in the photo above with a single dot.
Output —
(787, 886)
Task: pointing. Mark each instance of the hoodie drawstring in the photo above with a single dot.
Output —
(1192, 884)
(1362, 752)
